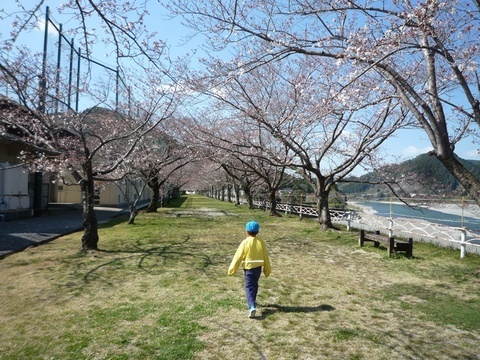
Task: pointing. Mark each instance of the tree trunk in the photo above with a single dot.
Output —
(464, 177)
(155, 187)
(90, 223)
(273, 203)
(323, 209)
(248, 195)
(237, 194)
(133, 214)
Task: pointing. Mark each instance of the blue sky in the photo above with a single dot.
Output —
(408, 144)
(403, 146)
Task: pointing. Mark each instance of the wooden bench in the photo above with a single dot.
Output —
(391, 243)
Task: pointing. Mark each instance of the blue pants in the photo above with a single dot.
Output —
(251, 277)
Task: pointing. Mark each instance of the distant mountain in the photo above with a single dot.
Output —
(424, 175)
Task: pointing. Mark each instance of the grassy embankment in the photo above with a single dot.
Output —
(159, 290)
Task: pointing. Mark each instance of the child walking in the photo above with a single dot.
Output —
(252, 254)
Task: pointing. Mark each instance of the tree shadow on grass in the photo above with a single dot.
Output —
(178, 202)
(271, 309)
(174, 251)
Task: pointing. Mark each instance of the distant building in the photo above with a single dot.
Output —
(22, 193)
(108, 194)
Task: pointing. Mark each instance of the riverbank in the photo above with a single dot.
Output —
(437, 223)
(468, 210)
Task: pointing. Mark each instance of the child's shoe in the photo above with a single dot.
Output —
(251, 312)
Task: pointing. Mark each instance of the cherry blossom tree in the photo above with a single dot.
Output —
(131, 181)
(89, 146)
(270, 177)
(163, 155)
(240, 146)
(299, 114)
(244, 177)
(156, 163)
(426, 53)
(92, 145)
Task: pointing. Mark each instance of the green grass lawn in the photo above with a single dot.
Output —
(159, 290)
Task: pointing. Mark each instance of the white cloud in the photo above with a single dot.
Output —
(414, 151)
(471, 154)
(41, 27)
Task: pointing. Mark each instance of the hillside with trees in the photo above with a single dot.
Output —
(423, 176)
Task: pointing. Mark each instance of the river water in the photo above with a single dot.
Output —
(403, 211)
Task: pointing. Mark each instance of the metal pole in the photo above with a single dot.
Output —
(70, 75)
(78, 78)
(390, 206)
(301, 206)
(463, 244)
(38, 176)
(59, 60)
(286, 207)
(43, 76)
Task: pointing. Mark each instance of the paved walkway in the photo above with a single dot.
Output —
(20, 234)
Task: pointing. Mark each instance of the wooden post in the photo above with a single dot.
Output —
(410, 247)
(391, 244)
(376, 243)
(361, 238)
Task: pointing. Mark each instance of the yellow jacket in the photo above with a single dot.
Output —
(251, 253)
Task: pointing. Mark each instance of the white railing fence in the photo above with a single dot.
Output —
(419, 229)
